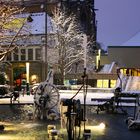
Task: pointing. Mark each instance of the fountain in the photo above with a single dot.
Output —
(46, 100)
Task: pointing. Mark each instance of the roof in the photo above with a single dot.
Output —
(37, 25)
(124, 47)
(134, 41)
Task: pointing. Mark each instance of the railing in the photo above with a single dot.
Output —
(124, 99)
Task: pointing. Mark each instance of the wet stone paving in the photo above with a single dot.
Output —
(19, 126)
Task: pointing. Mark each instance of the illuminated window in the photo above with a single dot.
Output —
(138, 73)
(102, 83)
(135, 73)
(99, 83)
(121, 70)
(112, 83)
(105, 83)
(34, 79)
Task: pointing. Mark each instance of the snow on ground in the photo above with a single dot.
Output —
(66, 94)
(92, 98)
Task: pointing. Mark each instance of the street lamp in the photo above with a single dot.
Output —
(27, 76)
(44, 64)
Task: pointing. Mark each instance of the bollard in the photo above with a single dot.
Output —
(87, 134)
(1, 127)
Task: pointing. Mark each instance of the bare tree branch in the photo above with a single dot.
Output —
(12, 28)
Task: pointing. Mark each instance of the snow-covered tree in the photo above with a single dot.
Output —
(70, 46)
(12, 28)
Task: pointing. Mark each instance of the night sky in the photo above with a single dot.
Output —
(117, 21)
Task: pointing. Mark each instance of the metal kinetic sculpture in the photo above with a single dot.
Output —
(46, 98)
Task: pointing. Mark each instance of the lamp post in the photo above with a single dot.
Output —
(27, 77)
(44, 63)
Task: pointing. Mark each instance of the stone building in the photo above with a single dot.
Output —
(33, 56)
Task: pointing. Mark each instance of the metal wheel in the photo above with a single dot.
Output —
(46, 96)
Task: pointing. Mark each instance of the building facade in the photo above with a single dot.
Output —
(28, 61)
(33, 55)
(127, 58)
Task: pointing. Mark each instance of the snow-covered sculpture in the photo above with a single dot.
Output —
(46, 99)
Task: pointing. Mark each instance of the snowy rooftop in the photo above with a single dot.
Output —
(106, 68)
(134, 41)
(37, 26)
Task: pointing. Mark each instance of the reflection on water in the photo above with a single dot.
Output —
(26, 130)
(19, 127)
(37, 131)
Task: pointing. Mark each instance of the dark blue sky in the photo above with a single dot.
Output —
(117, 20)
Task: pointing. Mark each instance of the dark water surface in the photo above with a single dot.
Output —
(19, 127)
